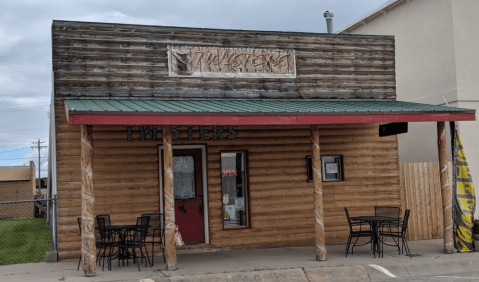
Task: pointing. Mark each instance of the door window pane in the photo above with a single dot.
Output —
(235, 196)
(184, 177)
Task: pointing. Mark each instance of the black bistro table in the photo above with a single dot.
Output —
(375, 222)
(122, 233)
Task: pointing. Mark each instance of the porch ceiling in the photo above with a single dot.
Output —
(243, 112)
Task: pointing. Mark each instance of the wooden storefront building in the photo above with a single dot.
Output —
(243, 139)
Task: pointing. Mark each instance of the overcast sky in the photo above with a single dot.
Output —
(25, 46)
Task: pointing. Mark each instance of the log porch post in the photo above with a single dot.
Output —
(170, 246)
(88, 246)
(446, 189)
(318, 196)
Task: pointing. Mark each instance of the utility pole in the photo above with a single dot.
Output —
(39, 147)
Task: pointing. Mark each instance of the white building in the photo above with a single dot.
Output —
(437, 60)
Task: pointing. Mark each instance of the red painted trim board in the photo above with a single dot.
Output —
(263, 119)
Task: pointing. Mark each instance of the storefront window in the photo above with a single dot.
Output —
(331, 168)
(234, 187)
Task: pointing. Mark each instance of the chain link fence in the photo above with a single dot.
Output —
(25, 230)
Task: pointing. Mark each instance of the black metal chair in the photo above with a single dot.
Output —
(98, 243)
(400, 235)
(136, 240)
(387, 211)
(357, 229)
(391, 225)
(106, 242)
(106, 217)
(79, 227)
(157, 230)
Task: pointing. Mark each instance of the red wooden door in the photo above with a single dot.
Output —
(188, 187)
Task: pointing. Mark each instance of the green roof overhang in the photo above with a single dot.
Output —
(248, 112)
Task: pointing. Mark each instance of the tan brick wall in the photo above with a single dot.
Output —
(14, 191)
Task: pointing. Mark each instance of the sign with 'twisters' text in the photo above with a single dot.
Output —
(187, 61)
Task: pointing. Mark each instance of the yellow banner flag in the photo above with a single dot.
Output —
(465, 201)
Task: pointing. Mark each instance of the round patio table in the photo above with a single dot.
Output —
(122, 232)
(375, 222)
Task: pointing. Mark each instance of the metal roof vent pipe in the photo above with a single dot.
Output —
(329, 21)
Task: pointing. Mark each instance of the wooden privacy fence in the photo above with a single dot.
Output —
(421, 193)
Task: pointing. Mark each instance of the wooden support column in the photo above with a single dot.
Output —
(170, 246)
(88, 246)
(446, 189)
(318, 196)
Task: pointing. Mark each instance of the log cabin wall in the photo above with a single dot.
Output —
(95, 60)
(281, 198)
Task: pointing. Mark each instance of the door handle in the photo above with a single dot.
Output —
(181, 207)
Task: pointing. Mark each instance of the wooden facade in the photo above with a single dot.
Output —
(130, 62)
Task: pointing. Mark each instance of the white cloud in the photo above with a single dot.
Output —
(26, 160)
(34, 157)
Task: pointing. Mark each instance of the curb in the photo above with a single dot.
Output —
(333, 273)
(337, 273)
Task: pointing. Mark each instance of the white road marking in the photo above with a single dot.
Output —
(457, 277)
(383, 270)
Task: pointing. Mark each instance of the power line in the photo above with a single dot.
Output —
(30, 141)
(23, 104)
(22, 158)
(24, 108)
(41, 108)
(13, 150)
(24, 129)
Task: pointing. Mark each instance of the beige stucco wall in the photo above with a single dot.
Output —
(436, 59)
(425, 65)
(466, 42)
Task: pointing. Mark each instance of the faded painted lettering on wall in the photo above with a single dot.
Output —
(202, 132)
(230, 62)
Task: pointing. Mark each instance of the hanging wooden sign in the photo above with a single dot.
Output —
(215, 132)
(187, 61)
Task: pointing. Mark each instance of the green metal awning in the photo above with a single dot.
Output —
(329, 112)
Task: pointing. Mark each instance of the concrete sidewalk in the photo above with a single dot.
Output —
(275, 264)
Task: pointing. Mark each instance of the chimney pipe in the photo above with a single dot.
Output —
(329, 21)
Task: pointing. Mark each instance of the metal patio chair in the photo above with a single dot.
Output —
(357, 229)
(136, 240)
(106, 217)
(106, 242)
(99, 244)
(157, 230)
(391, 225)
(387, 211)
(400, 235)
